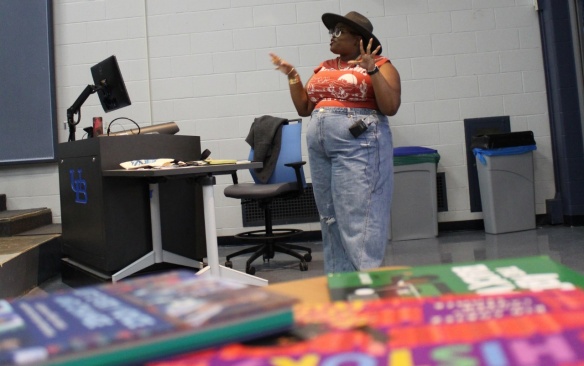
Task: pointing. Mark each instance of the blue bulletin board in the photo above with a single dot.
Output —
(27, 91)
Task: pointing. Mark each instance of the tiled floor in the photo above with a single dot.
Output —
(562, 244)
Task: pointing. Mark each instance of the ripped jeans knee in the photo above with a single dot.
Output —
(329, 220)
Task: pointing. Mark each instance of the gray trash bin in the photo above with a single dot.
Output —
(505, 173)
(414, 207)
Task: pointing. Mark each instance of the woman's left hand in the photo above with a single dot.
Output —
(367, 58)
(386, 83)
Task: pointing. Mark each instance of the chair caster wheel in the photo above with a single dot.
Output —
(250, 270)
(303, 267)
(228, 264)
(308, 257)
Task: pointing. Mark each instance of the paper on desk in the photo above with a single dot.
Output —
(146, 163)
(220, 161)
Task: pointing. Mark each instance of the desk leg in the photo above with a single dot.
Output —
(214, 268)
(157, 255)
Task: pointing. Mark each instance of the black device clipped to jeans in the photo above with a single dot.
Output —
(358, 128)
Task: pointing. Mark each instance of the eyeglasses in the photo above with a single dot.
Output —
(336, 32)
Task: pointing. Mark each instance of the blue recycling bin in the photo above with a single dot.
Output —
(506, 183)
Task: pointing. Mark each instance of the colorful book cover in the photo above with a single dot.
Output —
(519, 328)
(483, 277)
(137, 320)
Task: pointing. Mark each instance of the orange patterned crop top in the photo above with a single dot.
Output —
(347, 87)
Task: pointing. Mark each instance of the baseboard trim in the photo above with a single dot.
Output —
(574, 220)
(468, 225)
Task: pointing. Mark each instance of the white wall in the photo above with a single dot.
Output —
(205, 65)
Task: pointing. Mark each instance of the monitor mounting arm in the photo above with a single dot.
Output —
(76, 108)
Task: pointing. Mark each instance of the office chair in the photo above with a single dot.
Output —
(286, 181)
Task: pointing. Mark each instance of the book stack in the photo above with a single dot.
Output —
(527, 311)
(137, 320)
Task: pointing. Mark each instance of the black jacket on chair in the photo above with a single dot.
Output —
(265, 138)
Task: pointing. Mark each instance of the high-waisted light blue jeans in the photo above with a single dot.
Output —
(352, 179)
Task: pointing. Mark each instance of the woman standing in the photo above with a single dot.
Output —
(349, 141)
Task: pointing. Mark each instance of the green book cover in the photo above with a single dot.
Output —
(482, 277)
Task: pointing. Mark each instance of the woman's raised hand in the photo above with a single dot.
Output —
(367, 57)
(281, 65)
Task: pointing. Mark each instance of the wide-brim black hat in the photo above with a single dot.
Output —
(359, 23)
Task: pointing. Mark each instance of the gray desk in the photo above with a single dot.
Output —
(205, 176)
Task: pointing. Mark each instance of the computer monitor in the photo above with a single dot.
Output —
(110, 87)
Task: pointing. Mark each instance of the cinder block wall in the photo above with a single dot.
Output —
(205, 65)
